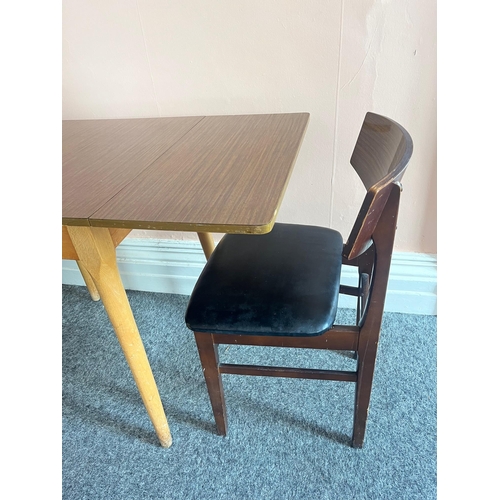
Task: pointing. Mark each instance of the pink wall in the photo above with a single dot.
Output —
(335, 59)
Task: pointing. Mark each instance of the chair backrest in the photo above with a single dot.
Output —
(380, 158)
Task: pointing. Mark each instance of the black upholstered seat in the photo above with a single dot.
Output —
(285, 283)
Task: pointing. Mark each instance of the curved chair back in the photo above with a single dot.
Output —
(380, 158)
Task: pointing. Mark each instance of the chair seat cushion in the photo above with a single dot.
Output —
(285, 282)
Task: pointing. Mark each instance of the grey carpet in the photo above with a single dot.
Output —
(287, 438)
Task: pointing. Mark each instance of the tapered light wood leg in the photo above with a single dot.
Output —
(207, 243)
(89, 282)
(96, 251)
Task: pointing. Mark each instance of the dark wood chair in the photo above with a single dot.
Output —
(281, 289)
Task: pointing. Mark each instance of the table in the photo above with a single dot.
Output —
(224, 174)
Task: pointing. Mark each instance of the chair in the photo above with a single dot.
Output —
(281, 289)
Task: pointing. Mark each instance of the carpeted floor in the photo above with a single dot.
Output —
(287, 439)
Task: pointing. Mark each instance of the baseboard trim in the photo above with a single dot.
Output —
(170, 266)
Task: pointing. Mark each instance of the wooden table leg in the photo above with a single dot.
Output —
(88, 281)
(96, 252)
(207, 243)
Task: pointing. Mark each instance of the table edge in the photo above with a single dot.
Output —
(174, 226)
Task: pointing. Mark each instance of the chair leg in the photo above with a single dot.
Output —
(362, 400)
(209, 358)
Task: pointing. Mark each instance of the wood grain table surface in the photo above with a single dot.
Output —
(214, 173)
(204, 174)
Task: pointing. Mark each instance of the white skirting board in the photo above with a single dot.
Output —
(170, 266)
